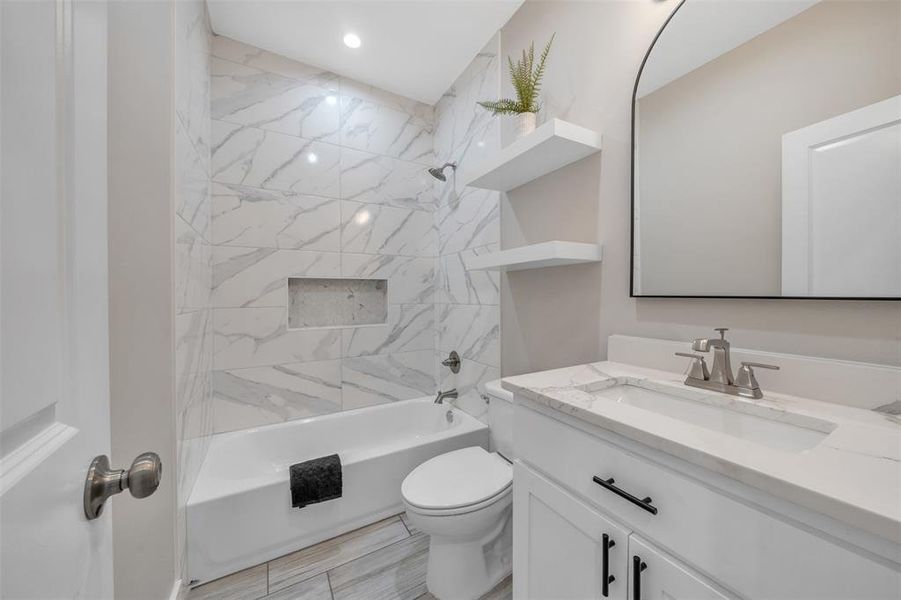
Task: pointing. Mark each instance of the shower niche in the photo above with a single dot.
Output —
(336, 302)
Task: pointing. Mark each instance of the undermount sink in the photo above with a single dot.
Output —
(793, 432)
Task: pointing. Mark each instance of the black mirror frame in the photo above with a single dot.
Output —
(632, 293)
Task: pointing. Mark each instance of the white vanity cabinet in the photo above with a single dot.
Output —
(699, 538)
(563, 549)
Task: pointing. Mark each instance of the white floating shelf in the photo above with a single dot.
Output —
(553, 145)
(537, 256)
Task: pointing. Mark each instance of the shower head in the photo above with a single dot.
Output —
(438, 172)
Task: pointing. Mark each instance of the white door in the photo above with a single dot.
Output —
(54, 408)
(654, 576)
(562, 549)
(841, 205)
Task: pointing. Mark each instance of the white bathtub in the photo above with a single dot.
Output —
(239, 513)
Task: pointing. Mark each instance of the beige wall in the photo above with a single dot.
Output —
(721, 233)
(589, 81)
(141, 243)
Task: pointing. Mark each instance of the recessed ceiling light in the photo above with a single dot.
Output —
(312, 158)
(352, 40)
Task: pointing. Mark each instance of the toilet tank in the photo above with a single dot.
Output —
(500, 418)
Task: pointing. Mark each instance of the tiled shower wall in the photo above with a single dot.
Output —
(468, 222)
(316, 176)
(193, 268)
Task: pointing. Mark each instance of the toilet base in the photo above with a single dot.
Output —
(466, 570)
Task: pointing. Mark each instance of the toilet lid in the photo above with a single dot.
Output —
(457, 479)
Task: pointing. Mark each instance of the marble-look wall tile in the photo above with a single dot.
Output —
(378, 179)
(252, 217)
(409, 327)
(383, 130)
(258, 158)
(370, 380)
(469, 220)
(193, 277)
(192, 255)
(410, 280)
(252, 337)
(192, 72)
(252, 56)
(472, 374)
(250, 96)
(375, 229)
(459, 120)
(259, 276)
(192, 183)
(260, 395)
(457, 285)
(468, 223)
(316, 177)
(414, 108)
(472, 330)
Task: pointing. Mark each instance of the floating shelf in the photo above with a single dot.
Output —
(537, 256)
(553, 145)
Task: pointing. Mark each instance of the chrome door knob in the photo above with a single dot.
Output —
(141, 479)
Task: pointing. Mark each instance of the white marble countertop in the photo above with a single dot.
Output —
(853, 475)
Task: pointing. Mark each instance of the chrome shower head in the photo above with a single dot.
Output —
(438, 172)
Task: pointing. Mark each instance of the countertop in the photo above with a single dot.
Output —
(853, 475)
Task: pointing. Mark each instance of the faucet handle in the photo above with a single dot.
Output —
(698, 366)
(745, 378)
(722, 331)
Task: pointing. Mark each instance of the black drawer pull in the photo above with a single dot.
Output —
(644, 503)
(606, 578)
(637, 568)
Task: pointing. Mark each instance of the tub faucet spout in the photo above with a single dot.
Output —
(451, 394)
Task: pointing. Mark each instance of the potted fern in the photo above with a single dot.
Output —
(526, 77)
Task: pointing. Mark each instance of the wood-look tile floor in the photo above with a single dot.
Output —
(383, 561)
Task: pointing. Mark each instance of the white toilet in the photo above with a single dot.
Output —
(464, 500)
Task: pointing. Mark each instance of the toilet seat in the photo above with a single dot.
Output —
(458, 482)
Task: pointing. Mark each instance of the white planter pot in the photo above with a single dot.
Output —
(526, 123)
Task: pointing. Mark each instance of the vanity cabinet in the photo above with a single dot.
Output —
(565, 549)
(653, 574)
(698, 537)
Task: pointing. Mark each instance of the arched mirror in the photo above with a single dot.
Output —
(767, 151)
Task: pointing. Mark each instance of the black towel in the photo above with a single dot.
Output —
(315, 481)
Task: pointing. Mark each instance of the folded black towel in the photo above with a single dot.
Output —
(315, 481)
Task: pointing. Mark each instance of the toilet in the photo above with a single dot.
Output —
(464, 501)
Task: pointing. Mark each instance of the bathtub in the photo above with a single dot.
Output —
(239, 513)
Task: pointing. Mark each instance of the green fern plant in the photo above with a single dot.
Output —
(526, 77)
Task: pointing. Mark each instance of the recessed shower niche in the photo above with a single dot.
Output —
(316, 302)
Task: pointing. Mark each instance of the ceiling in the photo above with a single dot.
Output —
(415, 48)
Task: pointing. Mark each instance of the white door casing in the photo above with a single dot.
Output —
(54, 408)
(841, 205)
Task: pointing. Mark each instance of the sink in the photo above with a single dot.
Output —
(735, 417)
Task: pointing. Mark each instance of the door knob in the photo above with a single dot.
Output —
(141, 479)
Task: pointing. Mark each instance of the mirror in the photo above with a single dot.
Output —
(767, 151)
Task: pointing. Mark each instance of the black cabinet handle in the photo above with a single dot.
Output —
(606, 578)
(644, 503)
(637, 568)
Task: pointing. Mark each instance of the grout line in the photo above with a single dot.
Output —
(328, 579)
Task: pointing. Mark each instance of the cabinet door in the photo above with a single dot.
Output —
(562, 549)
(655, 576)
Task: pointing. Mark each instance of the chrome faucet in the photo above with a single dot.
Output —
(719, 378)
(451, 394)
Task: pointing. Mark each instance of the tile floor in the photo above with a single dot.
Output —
(383, 561)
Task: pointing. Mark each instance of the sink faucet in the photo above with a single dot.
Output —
(719, 378)
(451, 394)
(721, 372)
